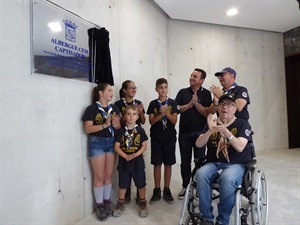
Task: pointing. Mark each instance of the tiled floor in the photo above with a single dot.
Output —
(282, 169)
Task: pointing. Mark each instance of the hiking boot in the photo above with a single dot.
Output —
(120, 207)
(156, 196)
(137, 199)
(206, 222)
(100, 212)
(107, 207)
(143, 211)
(182, 193)
(167, 196)
(128, 196)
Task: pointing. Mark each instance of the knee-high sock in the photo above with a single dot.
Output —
(107, 191)
(98, 192)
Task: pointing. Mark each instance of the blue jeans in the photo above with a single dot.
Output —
(229, 176)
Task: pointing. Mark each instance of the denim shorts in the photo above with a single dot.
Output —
(100, 145)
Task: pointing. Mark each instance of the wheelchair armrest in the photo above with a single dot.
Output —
(247, 180)
(251, 163)
(200, 161)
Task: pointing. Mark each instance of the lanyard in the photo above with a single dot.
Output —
(106, 114)
(230, 89)
(129, 137)
(164, 118)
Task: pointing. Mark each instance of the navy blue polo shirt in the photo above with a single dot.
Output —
(241, 92)
(191, 120)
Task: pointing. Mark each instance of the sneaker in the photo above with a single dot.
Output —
(100, 212)
(182, 193)
(206, 222)
(167, 196)
(120, 207)
(143, 211)
(156, 196)
(128, 196)
(137, 199)
(107, 207)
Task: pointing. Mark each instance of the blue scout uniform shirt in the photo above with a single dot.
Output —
(157, 130)
(122, 107)
(239, 128)
(240, 92)
(92, 113)
(130, 146)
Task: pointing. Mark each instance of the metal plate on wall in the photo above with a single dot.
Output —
(60, 44)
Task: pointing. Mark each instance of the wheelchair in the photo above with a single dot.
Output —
(251, 198)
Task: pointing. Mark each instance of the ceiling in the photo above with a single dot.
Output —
(270, 15)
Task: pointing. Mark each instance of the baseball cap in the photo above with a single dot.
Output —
(225, 70)
(227, 96)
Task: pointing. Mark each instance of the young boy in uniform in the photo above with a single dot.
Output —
(131, 142)
(162, 113)
(127, 95)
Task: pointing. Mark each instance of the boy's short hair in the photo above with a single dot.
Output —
(133, 107)
(161, 81)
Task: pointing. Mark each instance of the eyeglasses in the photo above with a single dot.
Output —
(222, 74)
(132, 88)
(227, 104)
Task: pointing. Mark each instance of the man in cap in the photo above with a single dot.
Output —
(227, 79)
(228, 141)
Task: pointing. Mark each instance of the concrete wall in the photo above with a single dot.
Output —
(45, 174)
(257, 57)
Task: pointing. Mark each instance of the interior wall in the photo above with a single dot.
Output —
(45, 174)
(46, 177)
(258, 58)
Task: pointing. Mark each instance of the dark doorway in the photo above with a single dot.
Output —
(292, 71)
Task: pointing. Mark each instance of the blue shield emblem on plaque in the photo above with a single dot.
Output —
(70, 30)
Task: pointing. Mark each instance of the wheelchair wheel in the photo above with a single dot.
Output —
(189, 220)
(259, 198)
(238, 207)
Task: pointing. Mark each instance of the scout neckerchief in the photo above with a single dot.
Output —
(230, 89)
(105, 115)
(126, 104)
(222, 145)
(164, 118)
(129, 137)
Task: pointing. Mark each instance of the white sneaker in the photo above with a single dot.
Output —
(182, 193)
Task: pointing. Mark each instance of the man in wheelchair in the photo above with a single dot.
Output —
(228, 141)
